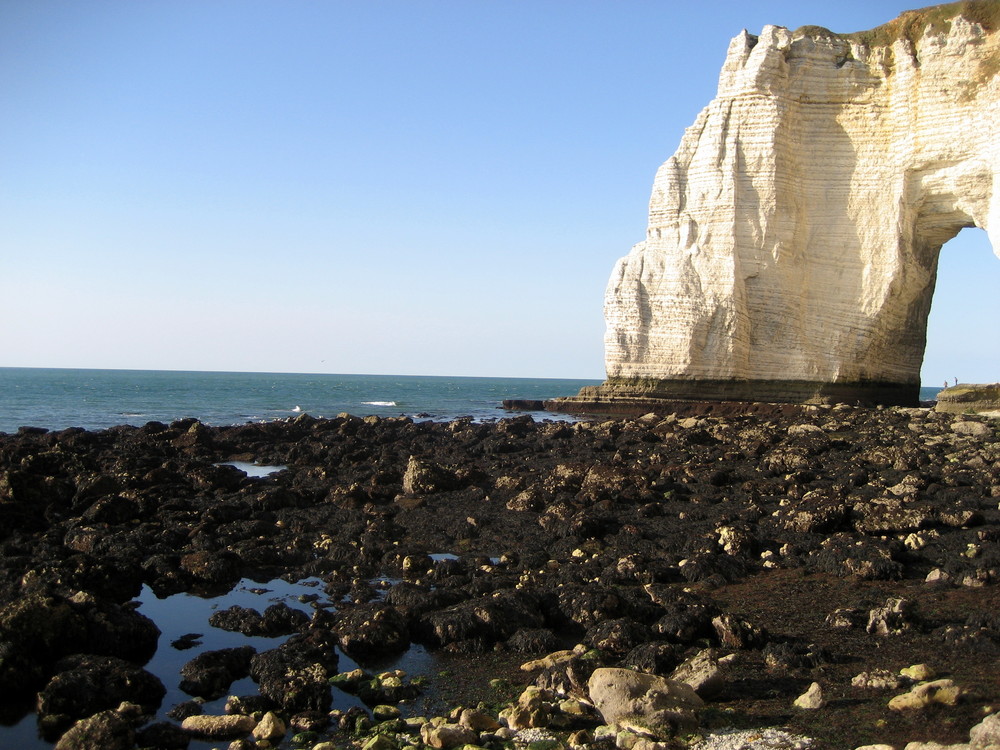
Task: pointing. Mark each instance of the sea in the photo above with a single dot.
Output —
(96, 399)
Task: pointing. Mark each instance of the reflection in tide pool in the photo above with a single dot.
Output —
(253, 470)
(186, 615)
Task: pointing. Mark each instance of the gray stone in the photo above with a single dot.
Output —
(986, 734)
(703, 673)
(643, 702)
(219, 726)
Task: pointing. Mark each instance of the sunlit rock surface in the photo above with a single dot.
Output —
(793, 237)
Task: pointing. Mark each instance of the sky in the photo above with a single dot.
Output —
(411, 187)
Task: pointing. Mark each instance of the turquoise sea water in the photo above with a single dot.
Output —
(96, 399)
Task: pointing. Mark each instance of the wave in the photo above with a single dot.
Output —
(379, 403)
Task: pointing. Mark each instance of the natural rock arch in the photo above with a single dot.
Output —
(962, 344)
(794, 236)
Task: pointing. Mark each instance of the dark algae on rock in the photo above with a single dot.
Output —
(747, 556)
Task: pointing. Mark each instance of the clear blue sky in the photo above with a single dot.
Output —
(375, 186)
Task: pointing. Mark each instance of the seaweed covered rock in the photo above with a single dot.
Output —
(85, 685)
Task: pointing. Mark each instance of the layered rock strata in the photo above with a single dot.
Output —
(793, 238)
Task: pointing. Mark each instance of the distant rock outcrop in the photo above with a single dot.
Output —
(970, 398)
(793, 238)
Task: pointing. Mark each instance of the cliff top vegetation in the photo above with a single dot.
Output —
(912, 24)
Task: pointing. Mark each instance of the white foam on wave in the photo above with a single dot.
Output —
(379, 403)
(297, 408)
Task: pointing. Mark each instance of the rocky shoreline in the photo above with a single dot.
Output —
(717, 567)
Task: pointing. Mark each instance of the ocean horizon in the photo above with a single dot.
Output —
(59, 398)
(94, 399)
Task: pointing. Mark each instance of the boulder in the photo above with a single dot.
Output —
(278, 619)
(447, 736)
(811, 699)
(86, 685)
(270, 728)
(371, 630)
(986, 734)
(296, 675)
(703, 673)
(423, 477)
(648, 703)
(210, 674)
(105, 730)
(944, 692)
(219, 727)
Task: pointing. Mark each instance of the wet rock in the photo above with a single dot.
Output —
(918, 672)
(895, 616)
(447, 736)
(270, 728)
(388, 687)
(379, 742)
(685, 620)
(868, 559)
(112, 729)
(735, 633)
(278, 619)
(846, 617)
(812, 699)
(210, 674)
(478, 721)
(570, 676)
(163, 736)
(703, 673)
(248, 705)
(814, 514)
(35, 631)
(588, 605)
(971, 428)
(371, 630)
(648, 703)
(986, 733)
(296, 674)
(220, 569)
(188, 708)
(653, 658)
(86, 685)
(890, 515)
(219, 727)
(488, 619)
(944, 692)
(618, 636)
(717, 568)
(878, 679)
(533, 709)
(792, 655)
(424, 477)
(533, 641)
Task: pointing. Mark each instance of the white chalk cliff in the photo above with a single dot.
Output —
(793, 237)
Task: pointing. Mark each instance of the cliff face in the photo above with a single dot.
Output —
(793, 237)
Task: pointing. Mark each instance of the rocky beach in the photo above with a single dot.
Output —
(820, 572)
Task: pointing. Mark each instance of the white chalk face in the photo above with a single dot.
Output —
(794, 235)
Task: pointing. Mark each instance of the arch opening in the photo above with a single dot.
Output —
(963, 335)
